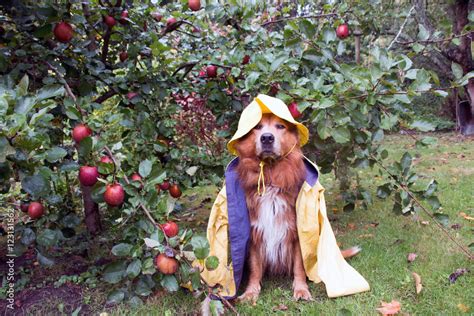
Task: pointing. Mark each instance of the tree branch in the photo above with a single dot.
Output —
(402, 27)
(318, 16)
(106, 96)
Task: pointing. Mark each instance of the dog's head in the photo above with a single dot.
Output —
(271, 139)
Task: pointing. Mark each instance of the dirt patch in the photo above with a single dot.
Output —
(48, 300)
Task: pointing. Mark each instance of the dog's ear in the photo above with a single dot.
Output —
(245, 146)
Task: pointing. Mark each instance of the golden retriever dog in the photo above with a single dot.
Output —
(274, 247)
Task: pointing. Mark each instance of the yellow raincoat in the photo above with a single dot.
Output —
(228, 229)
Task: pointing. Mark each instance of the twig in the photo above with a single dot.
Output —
(105, 47)
(404, 188)
(67, 87)
(105, 96)
(447, 39)
(401, 28)
(318, 16)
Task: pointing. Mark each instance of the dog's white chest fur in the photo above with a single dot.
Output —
(273, 226)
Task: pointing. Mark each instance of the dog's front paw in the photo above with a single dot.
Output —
(250, 295)
(302, 293)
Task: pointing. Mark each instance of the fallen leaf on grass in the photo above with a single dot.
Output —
(418, 285)
(391, 308)
(281, 307)
(366, 236)
(425, 223)
(456, 226)
(351, 226)
(411, 257)
(465, 216)
(463, 308)
(456, 274)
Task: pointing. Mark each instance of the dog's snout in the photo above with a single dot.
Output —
(267, 139)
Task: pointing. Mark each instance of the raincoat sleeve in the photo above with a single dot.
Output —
(218, 237)
(326, 264)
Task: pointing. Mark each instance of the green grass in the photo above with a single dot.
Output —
(383, 261)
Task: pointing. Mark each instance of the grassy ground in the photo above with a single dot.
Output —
(386, 240)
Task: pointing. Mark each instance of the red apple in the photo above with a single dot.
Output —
(165, 264)
(80, 132)
(35, 210)
(293, 107)
(123, 56)
(157, 16)
(114, 194)
(131, 95)
(123, 17)
(63, 32)
(165, 185)
(106, 159)
(342, 31)
(170, 228)
(109, 20)
(202, 74)
(245, 60)
(211, 71)
(24, 207)
(194, 5)
(88, 175)
(136, 177)
(170, 21)
(175, 191)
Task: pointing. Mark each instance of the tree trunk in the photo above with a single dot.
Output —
(91, 211)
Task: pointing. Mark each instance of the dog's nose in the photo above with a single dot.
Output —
(267, 139)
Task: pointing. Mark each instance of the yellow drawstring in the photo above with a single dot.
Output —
(261, 176)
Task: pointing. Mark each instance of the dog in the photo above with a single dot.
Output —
(274, 246)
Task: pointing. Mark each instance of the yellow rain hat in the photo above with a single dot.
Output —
(252, 114)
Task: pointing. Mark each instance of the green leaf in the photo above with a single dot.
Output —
(148, 266)
(24, 105)
(142, 287)
(200, 247)
(50, 92)
(384, 191)
(69, 166)
(251, 79)
(115, 271)
(426, 141)
(388, 121)
(471, 16)
(85, 148)
(323, 129)
(47, 238)
(423, 126)
(278, 61)
(405, 161)
(134, 268)
(441, 93)
(431, 188)
(5, 149)
(307, 28)
(115, 297)
(457, 70)
(3, 107)
(43, 260)
(56, 153)
(27, 236)
(170, 283)
(324, 103)
(442, 218)
(212, 262)
(423, 33)
(145, 168)
(216, 307)
(433, 201)
(36, 185)
(22, 87)
(341, 134)
(329, 35)
(121, 250)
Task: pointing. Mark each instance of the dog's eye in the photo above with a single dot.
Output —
(259, 126)
(280, 126)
